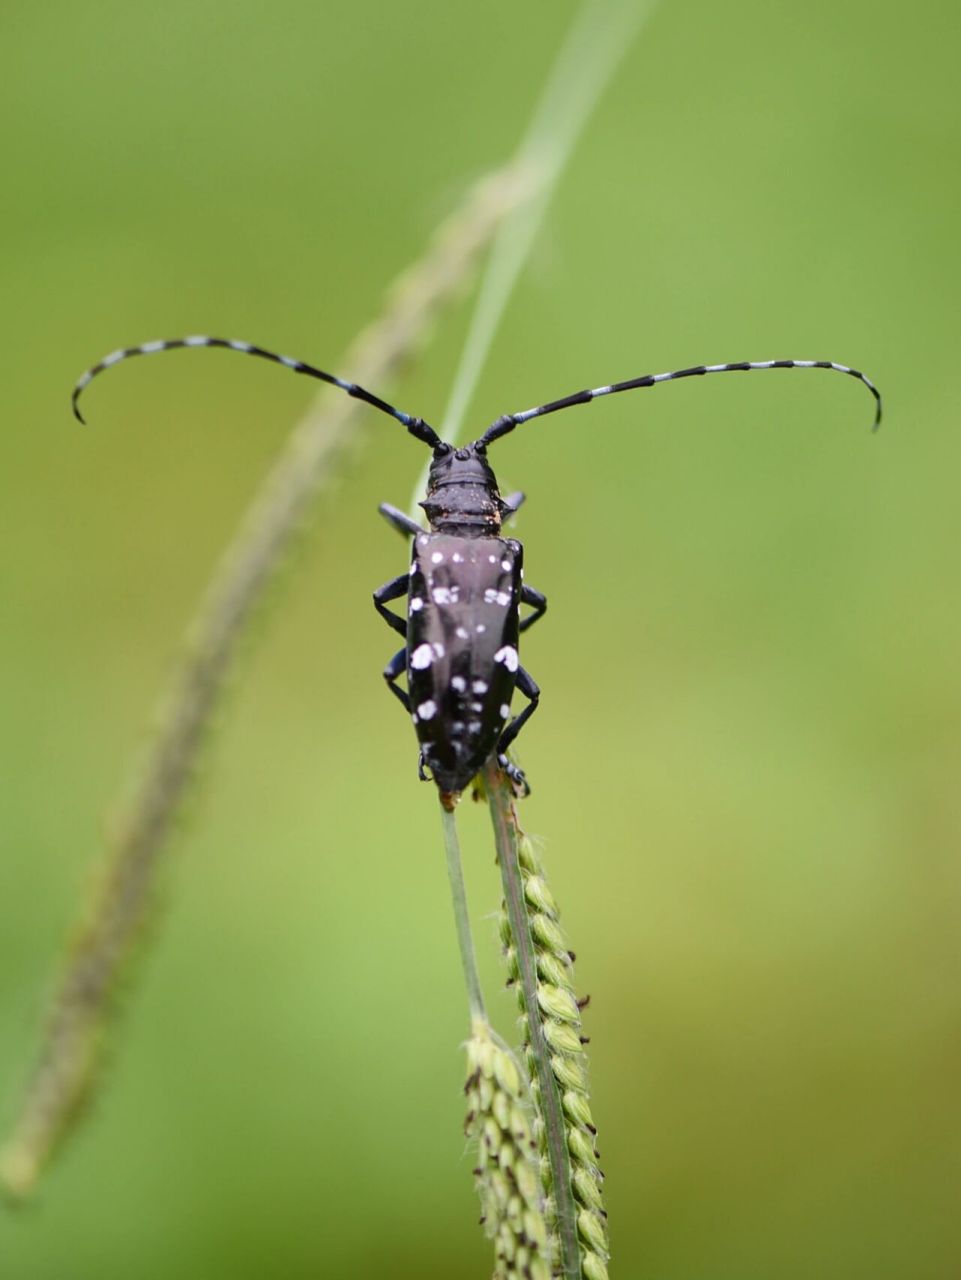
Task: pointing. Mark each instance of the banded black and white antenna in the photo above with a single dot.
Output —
(511, 420)
(416, 426)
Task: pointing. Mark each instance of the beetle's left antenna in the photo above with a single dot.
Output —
(416, 426)
(511, 420)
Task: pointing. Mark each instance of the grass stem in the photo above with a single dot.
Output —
(547, 1093)
(541, 965)
(465, 942)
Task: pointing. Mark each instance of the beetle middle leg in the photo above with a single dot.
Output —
(394, 669)
(538, 601)
(392, 590)
(528, 687)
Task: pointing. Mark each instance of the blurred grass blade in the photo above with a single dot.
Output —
(599, 37)
(66, 1066)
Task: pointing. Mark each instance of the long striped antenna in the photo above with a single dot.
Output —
(416, 426)
(511, 420)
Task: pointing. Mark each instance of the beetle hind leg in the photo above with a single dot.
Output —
(517, 778)
(528, 687)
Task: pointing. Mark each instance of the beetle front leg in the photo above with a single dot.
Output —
(539, 605)
(529, 689)
(392, 590)
(399, 521)
(511, 503)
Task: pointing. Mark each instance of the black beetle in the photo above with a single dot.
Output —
(465, 585)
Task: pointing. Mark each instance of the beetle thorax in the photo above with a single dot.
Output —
(462, 496)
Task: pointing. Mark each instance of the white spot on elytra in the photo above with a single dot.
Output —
(479, 686)
(506, 566)
(503, 598)
(461, 633)
(439, 650)
(492, 559)
(437, 557)
(490, 595)
(458, 684)
(507, 655)
(441, 595)
(422, 657)
(427, 709)
(477, 706)
(474, 726)
(422, 540)
(416, 604)
(505, 711)
(480, 628)
(457, 558)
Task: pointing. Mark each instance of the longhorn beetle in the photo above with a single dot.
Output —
(465, 584)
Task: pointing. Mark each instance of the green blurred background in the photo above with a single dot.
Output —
(746, 760)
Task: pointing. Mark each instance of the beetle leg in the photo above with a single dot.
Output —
(510, 504)
(518, 779)
(539, 603)
(529, 689)
(402, 523)
(392, 590)
(396, 667)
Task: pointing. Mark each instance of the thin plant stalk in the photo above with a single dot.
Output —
(79, 1013)
(540, 963)
(458, 892)
(549, 1099)
(507, 1173)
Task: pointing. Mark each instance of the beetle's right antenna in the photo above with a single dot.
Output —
(416, 426)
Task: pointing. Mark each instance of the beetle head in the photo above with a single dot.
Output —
(462, 492)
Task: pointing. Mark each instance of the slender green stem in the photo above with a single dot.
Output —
(458, 893)
(551, 1106)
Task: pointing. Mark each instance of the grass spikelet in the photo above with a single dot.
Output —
(541, 966)
(507, 1170)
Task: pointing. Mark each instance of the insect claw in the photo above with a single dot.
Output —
(518, 780)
